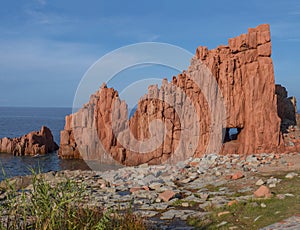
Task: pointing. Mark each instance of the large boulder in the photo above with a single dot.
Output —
(36, 142)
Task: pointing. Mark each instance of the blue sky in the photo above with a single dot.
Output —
(47, 46)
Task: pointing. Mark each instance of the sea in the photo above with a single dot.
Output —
(17, 121)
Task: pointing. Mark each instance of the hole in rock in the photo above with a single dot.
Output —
(231, 134)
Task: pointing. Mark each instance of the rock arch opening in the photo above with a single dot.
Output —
(231, 134)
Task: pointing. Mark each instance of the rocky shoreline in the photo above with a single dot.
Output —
(168, 195)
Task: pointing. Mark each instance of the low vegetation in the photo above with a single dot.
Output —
(256, 213)
(62, 206)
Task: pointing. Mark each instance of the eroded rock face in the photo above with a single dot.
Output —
(287, 108)
(243, 71)
(37, 142)
(298, 119)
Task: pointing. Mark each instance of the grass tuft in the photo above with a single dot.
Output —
(58, 206)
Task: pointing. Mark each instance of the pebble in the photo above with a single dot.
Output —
(221, 224)
(263, 205)
(148, 214)
(291, 175)
(223, 213)
(257, 218)
(259, 182)
(185, 204)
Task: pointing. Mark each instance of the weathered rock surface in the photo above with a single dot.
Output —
(245, 76)
(287, 108)
(298, 119)
(37, 142)
(244, 71)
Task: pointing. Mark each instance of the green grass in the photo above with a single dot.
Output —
(212, 188)
(178, 203)
(59, 206)
(250, 214)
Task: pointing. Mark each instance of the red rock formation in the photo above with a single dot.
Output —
(37, 142)
(244, 73)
